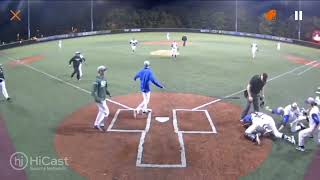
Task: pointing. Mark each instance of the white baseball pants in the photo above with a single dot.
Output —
(3, 89)
(103, 112)
(144, 105)
(305, 133)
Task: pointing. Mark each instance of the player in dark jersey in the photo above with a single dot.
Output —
(3, 84)
(77, 61)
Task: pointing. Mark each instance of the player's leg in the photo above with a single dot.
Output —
(251, 133)
(255, 102)
(301, 137)
(146, 101)
(74, 72)
(140, 106)
(253, 52)
(4, 90)
(104, 111)
(100, 117)
(78, 73)
(246, 109)
(80, 70)
(297, 125)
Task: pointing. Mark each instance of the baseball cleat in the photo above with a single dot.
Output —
(300, 148)
(258, 139)
(8, 99)
(101, 128)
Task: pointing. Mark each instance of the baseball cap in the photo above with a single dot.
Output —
(101, 68)
(146, 63)
(77, 52)
(294, 105)
(247, 118)
(310, 100)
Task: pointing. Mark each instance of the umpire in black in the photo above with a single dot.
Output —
(254, 92)
(184, 39)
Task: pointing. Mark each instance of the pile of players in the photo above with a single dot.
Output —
(304, 122)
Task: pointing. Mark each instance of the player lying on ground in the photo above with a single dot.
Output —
(99, 93)
(291, 115)
(314, 120)
(261, 124)
(77, 60)
(146, 76)
(133, 42)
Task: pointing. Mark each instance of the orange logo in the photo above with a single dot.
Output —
(271, 15)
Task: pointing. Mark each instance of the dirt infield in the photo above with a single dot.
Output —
(114, 155)
(164, 43)
(6, 150)
(26, 60)
(298, 60)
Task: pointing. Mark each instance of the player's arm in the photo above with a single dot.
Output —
(71, 61)
(107, 91)
(248, 90)
(137, 76)
(94, 92)
(285, 120)
(155, 81)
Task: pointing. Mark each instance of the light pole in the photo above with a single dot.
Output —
(91, 15)
(29, 20)
(236, 24)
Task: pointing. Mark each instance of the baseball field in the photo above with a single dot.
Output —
(50, 117)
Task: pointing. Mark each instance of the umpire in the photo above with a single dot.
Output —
(184, 39)
(252, 93)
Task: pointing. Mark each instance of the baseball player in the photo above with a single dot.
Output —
(3, 84)
(60, 44)
(99, 93)
(278, 46)
(133, 43)
(174, 49)
(291, 115)
(168, 36)
(254, 49)
(260, 124)
(77, 62)
(146, 76)
(314, 120)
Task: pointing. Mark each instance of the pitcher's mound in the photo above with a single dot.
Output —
(166, 53)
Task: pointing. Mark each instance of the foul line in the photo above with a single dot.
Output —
(65, 82)
(235, 93)
(315, 65)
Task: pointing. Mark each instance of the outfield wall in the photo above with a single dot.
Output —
(117, 31)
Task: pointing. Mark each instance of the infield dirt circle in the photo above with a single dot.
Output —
(113, 155)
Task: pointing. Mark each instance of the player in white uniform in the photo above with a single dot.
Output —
(168, 36)
(60, 44)
(278, 46)
(260, 124)
(3, 84)
(291, 115)
(174, 49)
(254, 49)
(133, 43)
(314, 120)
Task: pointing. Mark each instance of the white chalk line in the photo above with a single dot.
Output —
(144, 132)
(65, 82)
(308, 69)
(240, 91)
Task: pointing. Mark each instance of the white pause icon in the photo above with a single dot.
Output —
(298, 15)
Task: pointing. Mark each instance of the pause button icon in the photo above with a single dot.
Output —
(298, 15)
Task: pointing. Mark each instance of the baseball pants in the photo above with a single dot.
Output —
(80, 70)
(76, 71)
(303, 134)
(103, 112)
(4, 89)
(253, 52)
(144, 105)
(295, 124)
(173, 52)
(133, 48)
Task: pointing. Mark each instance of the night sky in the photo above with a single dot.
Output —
(45, 10)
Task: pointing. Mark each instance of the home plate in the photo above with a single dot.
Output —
(162, 119)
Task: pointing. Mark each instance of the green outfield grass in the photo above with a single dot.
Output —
(213, 65)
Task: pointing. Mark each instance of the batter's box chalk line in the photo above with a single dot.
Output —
(144, 132)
